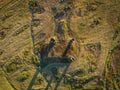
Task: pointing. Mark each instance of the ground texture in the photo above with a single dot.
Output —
(84, 56)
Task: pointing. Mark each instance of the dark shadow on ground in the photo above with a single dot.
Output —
(52, 60)
(60, 79)
(63, 59)
(49, 83)
(68, 47)
(33, 79)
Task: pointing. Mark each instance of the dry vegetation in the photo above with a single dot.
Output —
(26, 27)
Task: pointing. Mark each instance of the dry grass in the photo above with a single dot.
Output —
(4, 84)
(95, 23)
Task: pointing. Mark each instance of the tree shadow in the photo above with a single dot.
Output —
(33, 79)
(45, 50)
(47, 61)
(60, 79)
(68, 61)
(65, 70)
(68, 47)
(49, 83)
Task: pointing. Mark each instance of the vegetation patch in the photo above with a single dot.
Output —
(63, 27)
(96, 22)
(113, 69)
(35, 7)
(59, 12)
(41, 35)
(2, 34)
(39, 80)
(36, 22)
(35, 60)
(59, 15)
(79, 72)
(11, 67)
(117, 32)
(14, 64)
(1, 51)
(24, 76)
(65, 1)
(94, 49)
(79, 13)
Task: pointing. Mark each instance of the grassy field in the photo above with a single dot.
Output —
(4, 84)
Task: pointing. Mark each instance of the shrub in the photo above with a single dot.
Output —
(79, 72)
(33, 5)
(117, 31)
(39, 80)
(25, 75)
(36, 22)
(11, 67)
(119, 19)
(35, 60)
(2, 34)
(26, 52)
(1, 51)
(54, 9)
(14, 64)
(40, 9)
(59, 15)
(96, 21)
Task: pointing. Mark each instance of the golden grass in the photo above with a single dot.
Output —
(4, 84)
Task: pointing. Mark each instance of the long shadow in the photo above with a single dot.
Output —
(39, 69)
(45, 51)
(65, 60)
(49, 83)
(68, 47)
(65, 70)
(90, 79)
(63, 74)
(43, 65)
(33, 79)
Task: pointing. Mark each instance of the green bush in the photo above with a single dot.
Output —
(33, 5)
(1, 51)
(36, 22)
(96, 21)
(26, 52)
(35, 60)
(2, 34)
(11, 67)
(14, 64)
(25, 76)
(39, 81)
(79, 72)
